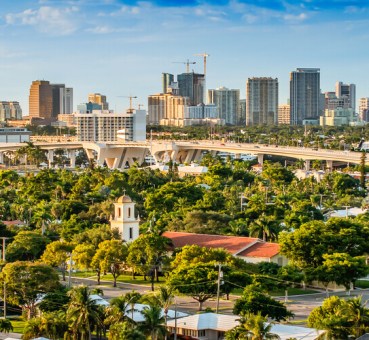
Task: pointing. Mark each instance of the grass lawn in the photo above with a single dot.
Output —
(122, 278)
(291, 291)
(362, 284)
(18, 325)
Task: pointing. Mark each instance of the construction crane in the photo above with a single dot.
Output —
(205, 55)
(130, 102)
(187, 63)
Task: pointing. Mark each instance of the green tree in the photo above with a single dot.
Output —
(254, 300)
(259, 328)
(111, 257)
(83, 314)
(124, 330)
(26, 246)
(196, 280)
(6, 326)
(25, 281)
(57, 254)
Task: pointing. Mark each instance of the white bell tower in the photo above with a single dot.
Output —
(124, 219)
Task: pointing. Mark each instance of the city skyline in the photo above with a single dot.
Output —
(121, 48)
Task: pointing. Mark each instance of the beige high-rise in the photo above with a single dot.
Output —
(100, 99)
(41, 99)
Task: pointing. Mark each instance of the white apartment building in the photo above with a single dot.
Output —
(66, 100)
(262, 101)
(10, 110)
(228, 103)
(103, 126)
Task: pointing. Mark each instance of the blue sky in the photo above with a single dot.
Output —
(120, 48)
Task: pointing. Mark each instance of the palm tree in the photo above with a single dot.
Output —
(258, 327)
(117, 312)
(165, 298)
(5, 325)
(265, 227)
(32, 329)
(358, 315)
(53, 325)
(153, 324)
(133, 298)
(83, 314)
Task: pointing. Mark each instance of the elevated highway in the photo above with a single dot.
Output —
(120, 154)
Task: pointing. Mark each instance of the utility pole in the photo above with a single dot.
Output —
(4, 287)
(220, 276)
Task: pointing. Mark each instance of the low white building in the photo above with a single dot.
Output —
(210, 326)
(14, 135)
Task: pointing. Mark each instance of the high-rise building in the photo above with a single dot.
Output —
(66, 100)
(332, 102)
(284, 112)
(103, 126)
(364, 109)
(242, 116)
(100, 99)
(262, 101)
(165, 106)
(228, 103)
(192, 85)
(41, 100)
(57, 100)
(304, 95)
(348, 92)
(88, 107)
(10, 110)
(166, 79)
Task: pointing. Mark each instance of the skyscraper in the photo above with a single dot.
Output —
(304, 94)
(66, 100)
(284, 114)
(41, 99)
(228, 103)
(192, 85)
(100, 99)
(57, 100)
(364, 109)
(262, 101)
(348, 92)
(167, 79)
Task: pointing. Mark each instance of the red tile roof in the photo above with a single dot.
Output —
(14, 222)
(261, 249)
(233, 244)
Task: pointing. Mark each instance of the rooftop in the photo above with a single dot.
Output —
(233, 244)
(261, 249)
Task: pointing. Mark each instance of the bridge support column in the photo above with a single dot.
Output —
(307, 164)
(329, 165)
(50, 157)
(1, 157)
(72, 158)
(260, 159)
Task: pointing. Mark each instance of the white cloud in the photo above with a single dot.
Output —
(46, 19)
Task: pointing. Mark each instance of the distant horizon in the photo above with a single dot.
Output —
(120, 48)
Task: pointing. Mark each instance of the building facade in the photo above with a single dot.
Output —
(262, 101)
(304, 95)
(284, 112)
(364, 109)
(14, 135)
(192, 85)
(165, 106)
(10, 110)
(88, 107)
(242, 117)
(103, 126)
(99, 99)
(347, 92)
(166, 80)
(228, 103)
(41, 100)
(338, 117)
(66, 100)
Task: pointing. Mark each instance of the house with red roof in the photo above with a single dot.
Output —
(250, 249)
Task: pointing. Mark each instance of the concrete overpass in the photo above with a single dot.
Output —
(119, 154)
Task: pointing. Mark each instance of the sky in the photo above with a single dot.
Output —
(120, 48)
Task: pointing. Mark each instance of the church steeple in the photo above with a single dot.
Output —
(124, 218)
